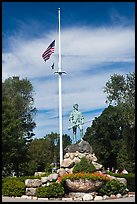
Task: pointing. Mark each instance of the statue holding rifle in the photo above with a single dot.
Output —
(77, 120)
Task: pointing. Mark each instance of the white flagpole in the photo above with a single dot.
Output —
(60, 72)
(60, 95)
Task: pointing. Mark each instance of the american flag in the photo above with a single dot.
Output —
(46, 55)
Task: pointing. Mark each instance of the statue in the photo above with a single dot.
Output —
(77, 120)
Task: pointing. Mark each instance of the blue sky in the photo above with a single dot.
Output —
(97, 40)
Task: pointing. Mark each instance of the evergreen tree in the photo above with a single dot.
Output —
(18, 123)
(112, 134)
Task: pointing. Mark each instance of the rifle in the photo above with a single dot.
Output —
(79, 124)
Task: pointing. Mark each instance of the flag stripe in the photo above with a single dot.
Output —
(50, 50)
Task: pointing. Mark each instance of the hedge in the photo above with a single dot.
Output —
(13, 187)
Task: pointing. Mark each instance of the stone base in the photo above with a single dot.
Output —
(83, 185)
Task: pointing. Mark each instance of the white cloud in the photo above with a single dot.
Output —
(84, 51)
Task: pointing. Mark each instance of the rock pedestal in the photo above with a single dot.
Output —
(82, 146)
(73, 154)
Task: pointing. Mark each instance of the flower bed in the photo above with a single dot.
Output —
(88, 176)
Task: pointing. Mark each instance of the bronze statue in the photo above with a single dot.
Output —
(77, 120)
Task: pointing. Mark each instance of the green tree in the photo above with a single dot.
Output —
(103, 136)
(112, 134)
(44, 152)
(40, 155)
(66, 141)
(123, 158)
(115, 89)
(18, 113)
(121, 91)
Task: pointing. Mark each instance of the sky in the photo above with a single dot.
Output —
(97, 40)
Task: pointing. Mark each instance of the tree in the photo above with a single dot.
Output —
(103, 136)
(121, 91)
(43, 152)
(112, 134)
(115, 89)
(18, 123)
(40, 155)
(66, 141)
(123, 158)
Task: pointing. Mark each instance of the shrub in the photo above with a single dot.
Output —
(130, 177)
(13, 187)
(112, 187)
(130, 182)
(4, 179)
(84, 166)
(54, 190)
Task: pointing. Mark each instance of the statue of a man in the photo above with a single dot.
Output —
(76, 119)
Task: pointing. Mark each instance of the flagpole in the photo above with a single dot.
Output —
(60, 94)
(60, 72)
(46, 56)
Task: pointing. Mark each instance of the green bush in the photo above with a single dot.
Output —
(130, 177)
(112, 187)
(13, 187)
(4, 179)
(21, 178)
(54, 190)
(84, 166)
(130, 182)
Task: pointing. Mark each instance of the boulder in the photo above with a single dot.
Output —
(118, 195)
(98, 198)
(113, 196)
(30, 191)
(52, 177)
(69, 170)
(33, 183)
(122, 180)
(76, 160)
(67, 163)
(82, 147)
(105, 197)
(87, 197)
(44, 179)
(61, 171)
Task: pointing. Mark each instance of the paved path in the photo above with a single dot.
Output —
(9, 199)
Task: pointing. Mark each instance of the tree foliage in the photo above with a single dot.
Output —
(18, 113)
(112, 134)
(121, 89)
(44, 152)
